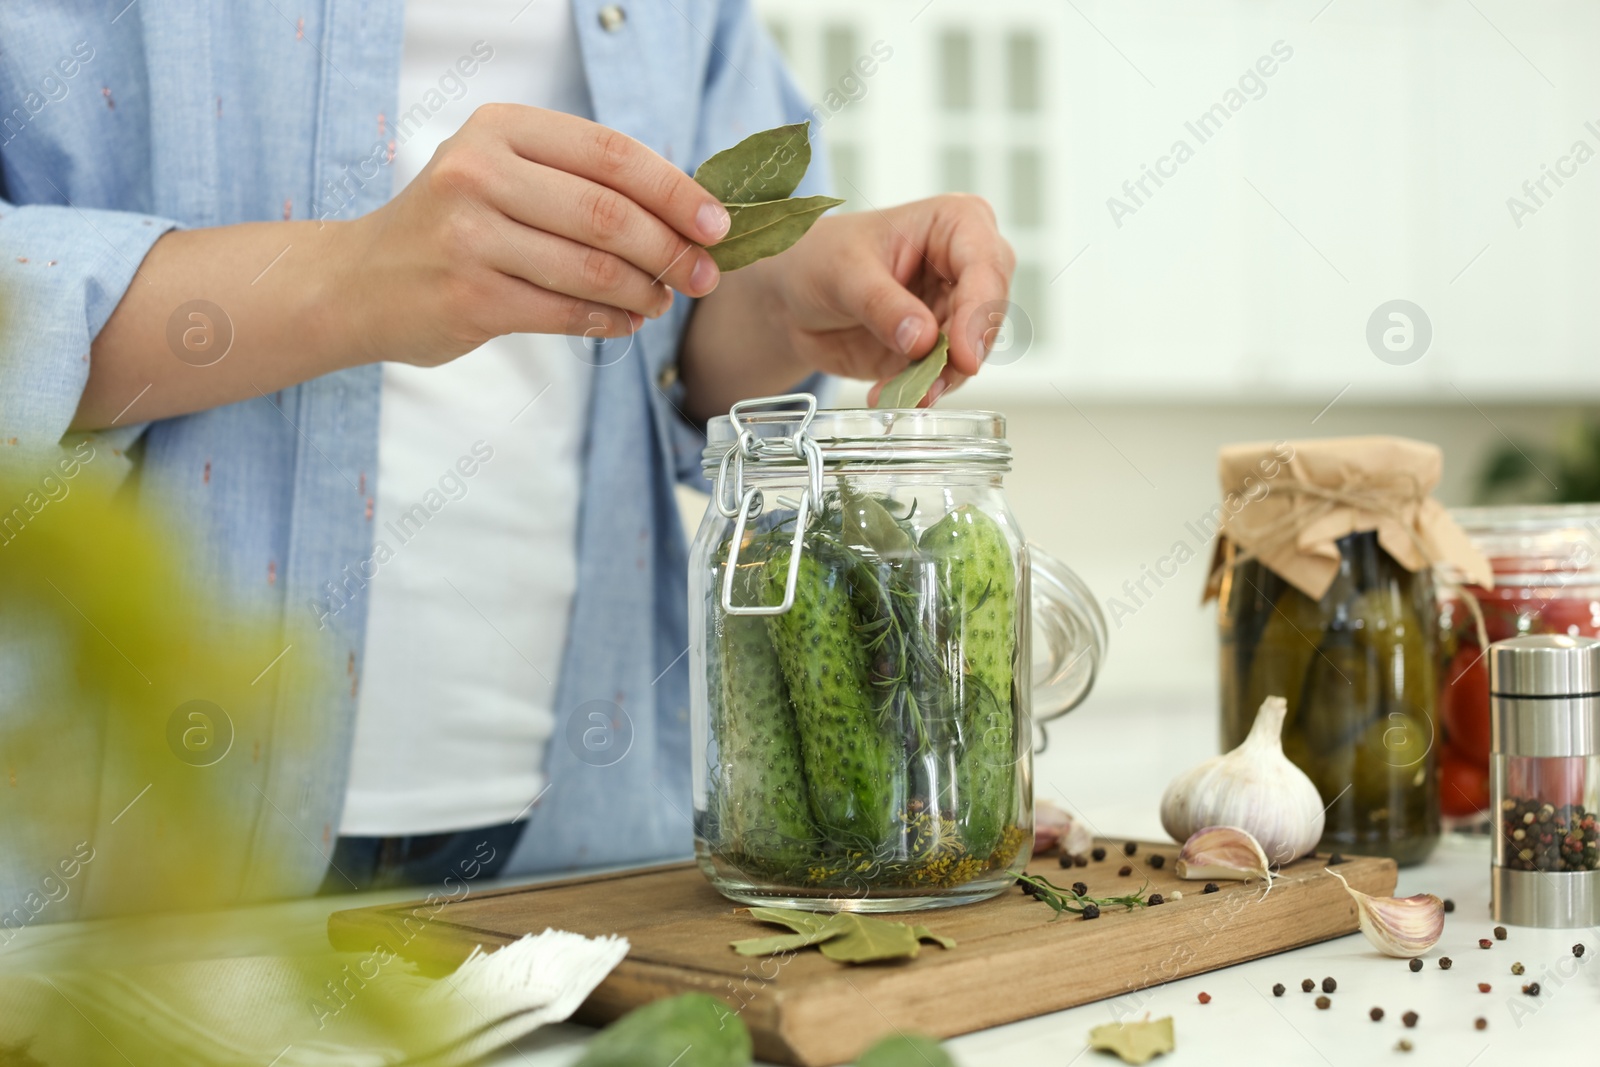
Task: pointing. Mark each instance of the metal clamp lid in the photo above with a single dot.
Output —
(1545, 665)
(746, 503)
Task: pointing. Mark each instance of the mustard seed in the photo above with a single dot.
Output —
(1480, 1023)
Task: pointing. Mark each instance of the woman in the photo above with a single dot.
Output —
(364, 406)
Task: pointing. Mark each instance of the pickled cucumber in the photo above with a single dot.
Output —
(976, 582)
(763, 806)
(851, 769)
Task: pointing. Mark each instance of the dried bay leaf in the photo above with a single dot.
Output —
(906, 1050)
(843, 937)
(765, 229)
(867, 525)
(925, 934)
(1135, 1042)
(906, 389)
(657, 1034)
(868, 940)
(764, 166)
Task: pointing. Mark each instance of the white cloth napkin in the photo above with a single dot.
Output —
(302, 1012)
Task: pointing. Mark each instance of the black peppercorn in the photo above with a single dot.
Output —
(1449, 905)
(1445, 962)
(1409, 1018)
(1377, 1014)
(1091, 911)
(1480, 1023)
(1065, 860)
(1211, 887)
(1080, 889)
(1124, 870)
(1277, 989)
(1098, 853)
(1516, 968)
(1130, 848)
(1532, 989)
(1080, 861)
(1323, 1002)
(1158, 862)
(1577, 950)
(1156, 898)
(1307, 986)
(1499, 933)
(1416, 964)
(1329, 985)
(1335, 859)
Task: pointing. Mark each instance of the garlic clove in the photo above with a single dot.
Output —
(1255, 788)
(1222, 852)
(1398, 926)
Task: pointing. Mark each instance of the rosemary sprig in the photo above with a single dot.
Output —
(1063, 899)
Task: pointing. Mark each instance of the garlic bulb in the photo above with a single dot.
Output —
(1398, 926)
(1254, 788)
(1222, 852)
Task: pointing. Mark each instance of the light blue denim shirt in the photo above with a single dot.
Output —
(116, 127)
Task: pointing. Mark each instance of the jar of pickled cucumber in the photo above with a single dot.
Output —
(1327, 598)
(873, 643)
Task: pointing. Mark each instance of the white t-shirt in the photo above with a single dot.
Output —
(479, 465)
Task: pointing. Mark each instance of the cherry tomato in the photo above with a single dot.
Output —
(1463, 783)
(1464, 704)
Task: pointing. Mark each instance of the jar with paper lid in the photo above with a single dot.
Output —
(1545, 780)
(1546, 565)
(1324, 580)
(873, 644)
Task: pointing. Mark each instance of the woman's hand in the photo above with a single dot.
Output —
(525, 221)
(529, 221)
(861, 296)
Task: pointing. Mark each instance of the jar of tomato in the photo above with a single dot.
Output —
(1546, 562)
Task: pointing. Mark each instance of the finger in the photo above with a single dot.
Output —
(592, 214)
(617, 161)
(518, 306)
(982, 262)
(890, 312)
(553, 262)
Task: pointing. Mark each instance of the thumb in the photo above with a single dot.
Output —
(890, 312)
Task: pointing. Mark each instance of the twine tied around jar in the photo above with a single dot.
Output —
(1287, 504)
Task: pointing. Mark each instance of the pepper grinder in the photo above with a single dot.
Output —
(1544, 777)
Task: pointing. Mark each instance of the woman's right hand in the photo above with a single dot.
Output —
(526, 221)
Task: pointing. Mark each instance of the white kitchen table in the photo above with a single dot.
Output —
(1109, 762)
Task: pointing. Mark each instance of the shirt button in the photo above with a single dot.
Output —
(668, 376)
(611, 18)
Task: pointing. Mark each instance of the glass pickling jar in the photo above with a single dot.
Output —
(873, 643)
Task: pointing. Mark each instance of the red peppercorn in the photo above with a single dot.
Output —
(1205, 998)
(1484, 942)
(1483, 987)
(1125, 870)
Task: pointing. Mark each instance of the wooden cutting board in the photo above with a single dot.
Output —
(1012, 962)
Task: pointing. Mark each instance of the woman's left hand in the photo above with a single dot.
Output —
(861, 295)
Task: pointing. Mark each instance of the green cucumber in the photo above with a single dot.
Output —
(763, 805)
(851, 767)
(977, 581)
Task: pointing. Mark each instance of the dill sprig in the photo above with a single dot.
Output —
(1064, 899)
